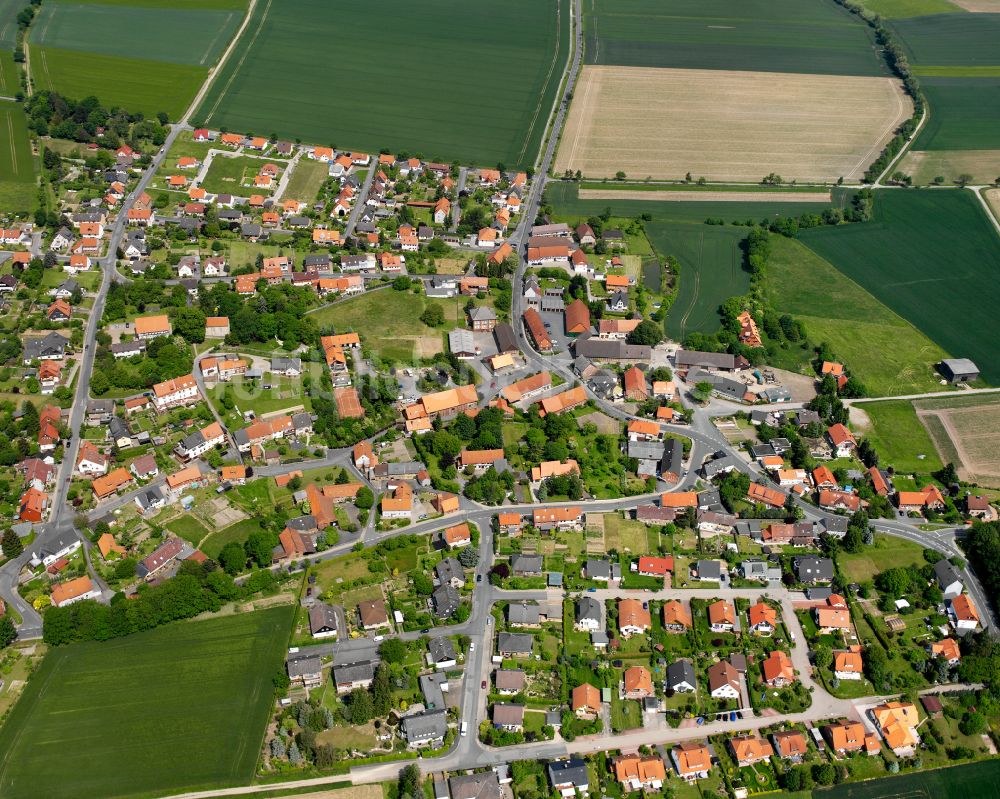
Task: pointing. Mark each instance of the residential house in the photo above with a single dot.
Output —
(723, 680)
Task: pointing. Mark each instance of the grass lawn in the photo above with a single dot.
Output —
(285, 394)
(887, 353)
(887, 552)
(188, 528)
(625, 535)
(528, 45)
(388, 322)
(180, 707)
(900, 438)
(626, 714)
(898, 257)
(238, 532)
(230, 175)
(307, 179)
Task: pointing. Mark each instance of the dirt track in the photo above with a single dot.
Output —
(706, 196)
(727, 125)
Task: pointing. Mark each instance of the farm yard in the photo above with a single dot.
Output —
(145, 55)
(931, 257)
(17, 165)
(887, 353)
(728, 125)
(471, 82)
(764, 35)
(172, 708)
(711, 272)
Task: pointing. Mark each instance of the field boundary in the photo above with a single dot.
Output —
(666, 195)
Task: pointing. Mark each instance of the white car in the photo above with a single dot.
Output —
(472, 647)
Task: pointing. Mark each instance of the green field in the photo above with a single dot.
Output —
(887, 353)
(567, 205)
(10, 83)
(228, 175)
(965, 113)
(932, 257)
(887, 552)
(974, 781)
(468, 81)
(132, 83)
(950, 39)
(899, 437)
(164, 34)
(238, 532)
(388, 322)
(890, 9)
(712, 271)
(180, 707)
(8, 22)
(755, 35)
(307, 179)
(178, 4)
(17, 166)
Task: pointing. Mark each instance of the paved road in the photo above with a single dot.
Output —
(359, 199)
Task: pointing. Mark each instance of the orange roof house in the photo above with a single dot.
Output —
(679, 499)
(616, 281)
(833, 619)
(638, 682)
(847, 736)
(791, 744)
(33, 505)
(111, 483)
(548, 469)
(107, 546)
(964, 611)
(721, 614)
(72, 590)
(749, 749)
(692, 760)
(898, 722)
(675, 617)
(633, 618)
(637, 772)
(765, 496)
(564, 401)
(763, 618)
(832, 368)
(577, 318)
(458, 535)
(586, 700)
(527, 386)
(152, 326)
(635, 385)
(847, 664)
(445, 503)
(778, 669)
(946, 648)
(749, 334)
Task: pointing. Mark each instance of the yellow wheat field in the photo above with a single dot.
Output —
(724, 125)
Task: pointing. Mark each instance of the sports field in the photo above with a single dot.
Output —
(760, 35)
(146, 55)
(975, 781)
(467, 81)
(17, 166)
(569, 206)
(932, 257)
(926, 165)
(711, 272)
(741, 126)
(887, 353)
(183, 706)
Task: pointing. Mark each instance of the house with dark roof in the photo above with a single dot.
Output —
(425, 729)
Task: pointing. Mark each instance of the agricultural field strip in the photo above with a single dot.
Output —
(975, 435)
(666, 122)
(699, 196)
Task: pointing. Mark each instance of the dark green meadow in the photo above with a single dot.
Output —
(950, 39)
(932, 257)
(973, 781)
(468, 81)
(754, 35)
(180, 707)
(965, 113)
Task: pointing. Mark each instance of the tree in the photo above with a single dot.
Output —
(294, 755)
(364, 499)
(409, 782)
(468, 557)
(823, 656)
(233, 558)
(260, 546)
(972, 724)
(433, 316)
(360, 707)
(12, 546)
(381, 691)
(189, 323)
(702, 391)
(8, 632)
(646, 332)
(392, 650)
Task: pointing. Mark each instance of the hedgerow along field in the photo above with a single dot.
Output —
(179, 707)
(148, 55)
(887, 353)
(712, 271)
(980, 780)
(473, 82)
(932, 257)
(754, 35)
(17, 165)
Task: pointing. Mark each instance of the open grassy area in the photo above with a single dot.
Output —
(188, 528)
(711, 272)
(887, 353)
(924, 166)
(899, 257)
(388, 322)
(756, 35)
(899, 437)
(958, 782)
(306, 180)
(452, 51)
(238, 532)
(887, 552)
(625, 535)
(8, 22)
(17, 167)
(232, 174)
(180, 707)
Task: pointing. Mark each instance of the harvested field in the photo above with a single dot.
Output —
(925, 165)
(723, 125)
(974, 435)
(980, 6)
(700, 196)
(369, 791)
(993, 200)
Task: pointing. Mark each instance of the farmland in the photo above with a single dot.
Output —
(148, 55)
(711, 272)
(763, 35)
(887, 353)
(178, 707)
(930, 256)
(472, 82)
(950, 39)
(967, 433)
(965, 114)
(569, 206)
(9, 80)
(728, 125)
(890, 9)
(981, 780)
(8, 22)
(17, 168)
(924, 166)
(899, 437)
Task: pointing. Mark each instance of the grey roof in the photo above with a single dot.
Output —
(128, 347)
(589, 346)
(598, 569)
(709, 360)
(430, 687)
(709, 569)
(461, 340)
(149, 497)
(568, 772)
(520, 643)
(449, 569)
(810, 568)
(101, 406)
(805, 417)
(64, 539)
(482, 313)
(646, 450)
(51, 344)
(527, 564)
(946, 573)
(304, 666)
(442, 650)
(618, 298)
(354, 672)
(302, 523)
(523, 613)
(679, 672)
(430, 725)
(446, 600)
(280, 364)
(710, 498)
(118, 428)
(507, 714)
(301, 421)
(715, 467)
(673, 457)
(510, 679)
(322, 617)
(960, 366)
(483, 785)
(589, 608)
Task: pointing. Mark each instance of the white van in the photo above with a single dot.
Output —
(465, 728)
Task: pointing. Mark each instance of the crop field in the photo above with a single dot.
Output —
(965, 114)
(9, 81)
(931, 256)
(568, 205)
(980, 780)
(711, 272)
(891, 9)
(467, 81)
(887, 353)
(967, 434)
(926, 165)
(132, 83)
(667, 195)
(765, 35)
(899, 437)
(8, 22)
(728, 125)
(950, 39)
(17, 167)
(182, 706)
